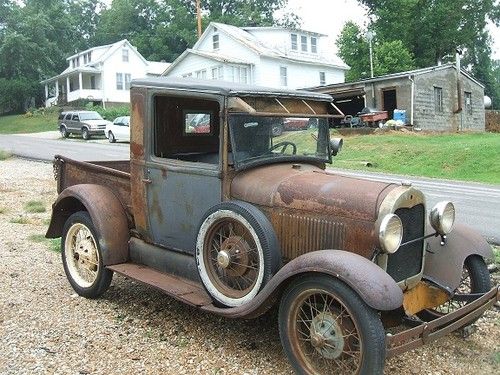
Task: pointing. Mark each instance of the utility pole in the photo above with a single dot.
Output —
(198, 17)
(369, 36)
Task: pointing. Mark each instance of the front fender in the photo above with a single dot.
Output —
(107, 214)
(444, 264)
(372, 283)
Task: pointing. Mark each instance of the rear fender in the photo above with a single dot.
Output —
(372, 283)
(444, 264)
(107, 214)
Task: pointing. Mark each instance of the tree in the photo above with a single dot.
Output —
(389, 57)
(392, 57)
(353, 49)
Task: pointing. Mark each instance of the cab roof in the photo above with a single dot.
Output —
(225, 88)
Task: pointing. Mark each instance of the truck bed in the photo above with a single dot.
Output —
(113, 174)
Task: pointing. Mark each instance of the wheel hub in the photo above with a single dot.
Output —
(326, 335)
(223, 259)
(233, 255)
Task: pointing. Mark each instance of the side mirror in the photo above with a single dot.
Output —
(336, 146)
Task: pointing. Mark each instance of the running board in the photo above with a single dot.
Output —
(180, 288)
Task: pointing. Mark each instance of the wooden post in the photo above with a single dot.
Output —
(198, 17)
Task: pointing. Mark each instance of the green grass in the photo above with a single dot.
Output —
(34, 207)
(496, 254)
(466, 156)
(4, 155)
(17, 124)
(20, 220)
(54, 244)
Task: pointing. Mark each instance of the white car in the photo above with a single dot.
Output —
(119, 129)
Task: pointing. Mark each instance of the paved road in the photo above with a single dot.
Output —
(478, 205)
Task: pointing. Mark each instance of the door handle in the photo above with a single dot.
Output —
(147, 180)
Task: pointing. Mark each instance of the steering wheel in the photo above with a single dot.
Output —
(284, 146)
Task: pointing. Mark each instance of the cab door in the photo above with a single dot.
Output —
(183, 172)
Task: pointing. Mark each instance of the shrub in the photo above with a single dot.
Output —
(109, 113)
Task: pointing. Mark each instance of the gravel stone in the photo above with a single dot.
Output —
(45, 328)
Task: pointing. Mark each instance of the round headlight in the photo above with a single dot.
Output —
(442, 217)
(390, 233)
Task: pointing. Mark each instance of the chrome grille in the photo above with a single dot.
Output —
(407, 261)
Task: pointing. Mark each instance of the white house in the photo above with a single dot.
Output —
(268, 56)
(101, 75)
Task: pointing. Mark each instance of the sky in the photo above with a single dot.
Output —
(328, 17)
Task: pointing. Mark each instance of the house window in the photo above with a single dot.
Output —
(84, 59)
(89, 56)
(303, 43)
(468, 102)
(218, 73)
(201, 74)
(438, 99)
(294, 42)
(119, 81)
(314, 45)
(92, 82)
(283, 76)
(322, 78)
(127, 81)
(238, 74)
(125, 55)
(215, 41)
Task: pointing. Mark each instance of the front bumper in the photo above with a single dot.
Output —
(430, 331)
(95, 131)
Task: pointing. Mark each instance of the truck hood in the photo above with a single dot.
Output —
(309, 188)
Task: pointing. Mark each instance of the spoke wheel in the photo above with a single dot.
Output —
(236, 253)
(475, 279)
(233, 259)
(82, 257)
(326, 328)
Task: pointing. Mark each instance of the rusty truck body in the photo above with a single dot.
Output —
(234, 219)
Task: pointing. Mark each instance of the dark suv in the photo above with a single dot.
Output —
(86, 123)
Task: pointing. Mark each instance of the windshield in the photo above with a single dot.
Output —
(90, 116)
(268, 139)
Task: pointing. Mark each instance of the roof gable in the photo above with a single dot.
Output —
(251, 42)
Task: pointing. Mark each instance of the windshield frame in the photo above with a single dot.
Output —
(317, 161)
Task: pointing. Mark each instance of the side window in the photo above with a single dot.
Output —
(75, 117)
(68, 116)
(61, 116)
(197, 122)
(186, 128)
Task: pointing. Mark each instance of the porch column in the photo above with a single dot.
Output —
(67, 87)
(80, 81)
(46, 91)
(57, 89)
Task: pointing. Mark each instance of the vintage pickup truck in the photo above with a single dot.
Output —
(233, 220)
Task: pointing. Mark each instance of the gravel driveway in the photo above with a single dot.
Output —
(46, 329)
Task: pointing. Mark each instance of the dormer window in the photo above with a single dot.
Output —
(85, 59)
(125, 54)
(215, 40)
(294, 41)
(303, 43)
(314, 45)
